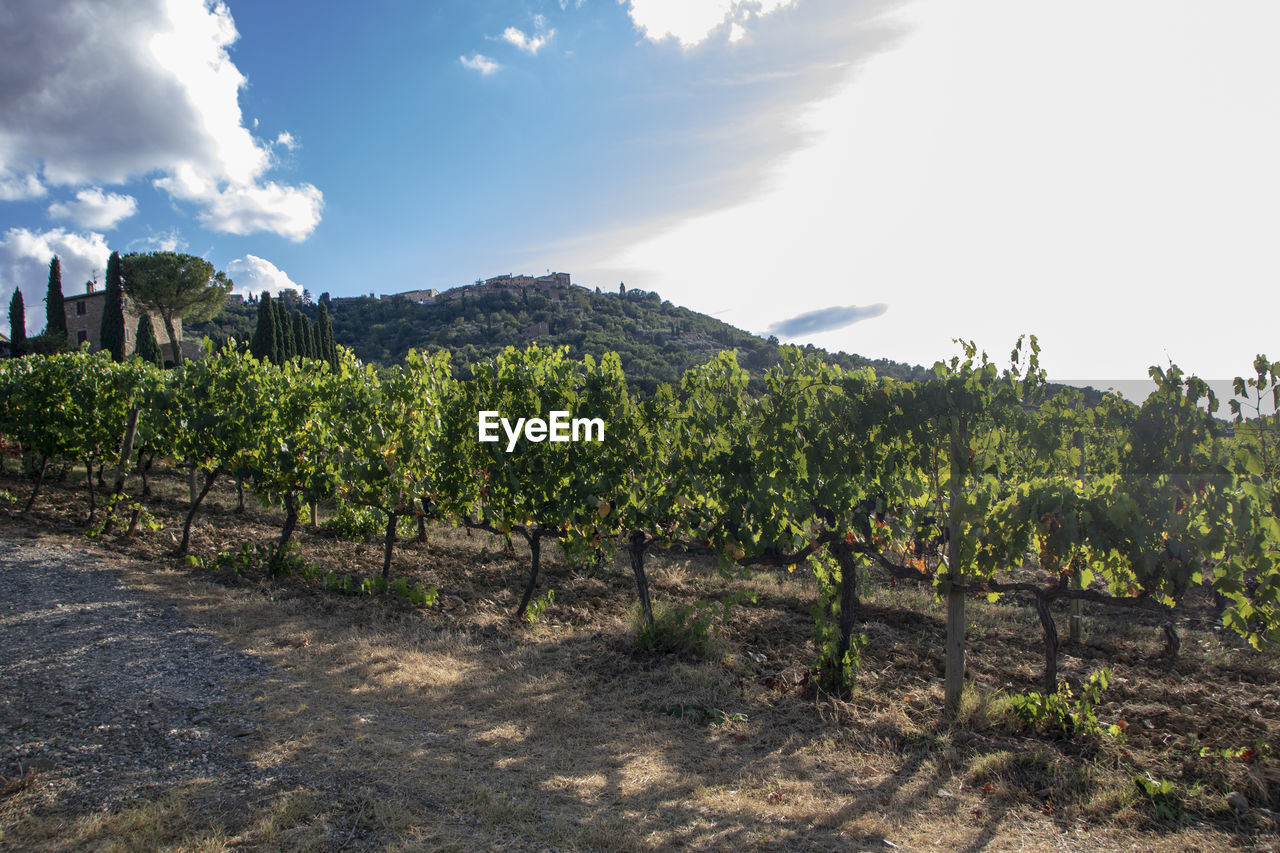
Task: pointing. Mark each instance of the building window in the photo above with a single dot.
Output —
(82, 335)
(126, 336)
(81, 308)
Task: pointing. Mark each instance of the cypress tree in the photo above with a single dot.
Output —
(282, 346)
(111, 332)
(278, 348)
(17, 325)
(55, 315)
(328, 350)
(263, 343)
(301, 336)
(148, 348)
(317, 351)
(284, 331)
(257, 342)
(312, 337)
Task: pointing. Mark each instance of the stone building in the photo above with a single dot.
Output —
(555, 286)
(419, 296)
(84, 323)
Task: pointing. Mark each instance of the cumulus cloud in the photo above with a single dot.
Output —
(95, 209)
(292, 212)
(480, 62)
(103, 115)
(19, 187)
(826, 319)
(255, 275)
(529, 44)
(24, 263)
(691, 22)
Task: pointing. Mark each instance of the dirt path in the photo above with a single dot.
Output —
(107, 697)
(132, 717)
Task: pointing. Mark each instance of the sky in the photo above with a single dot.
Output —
(875, 177)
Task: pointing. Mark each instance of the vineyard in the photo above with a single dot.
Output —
(969, 529)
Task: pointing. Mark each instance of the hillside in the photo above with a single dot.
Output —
(656, 340)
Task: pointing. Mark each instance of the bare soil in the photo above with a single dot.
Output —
(376, 724)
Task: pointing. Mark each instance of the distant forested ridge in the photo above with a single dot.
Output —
(657, 341)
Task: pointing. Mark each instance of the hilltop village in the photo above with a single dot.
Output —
(656, 340)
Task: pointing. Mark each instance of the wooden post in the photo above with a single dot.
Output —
(954, 649)
(1077, 606)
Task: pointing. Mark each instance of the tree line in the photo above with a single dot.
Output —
(281, 335)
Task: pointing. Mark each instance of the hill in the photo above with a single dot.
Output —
(656, 340)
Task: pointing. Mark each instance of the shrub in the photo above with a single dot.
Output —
(692, 629)
(1064, 715)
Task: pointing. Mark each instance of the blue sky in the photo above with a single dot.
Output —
(874, 177)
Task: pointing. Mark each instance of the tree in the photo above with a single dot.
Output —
(266, 341)
(17, 324)
(55, 315)
(284, 327)
(302, 335)
(148, 348)
(175, 285)
(328, 349)
(111, 333)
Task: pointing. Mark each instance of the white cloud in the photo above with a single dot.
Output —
(691, 22)
(255, 275)
(480, 62)
(24, 263)
(291, 212)
(529, 44)
(286, 140)
(163, 241)
(19, 187)
(95, 209)
(984, 186)
(104, 115)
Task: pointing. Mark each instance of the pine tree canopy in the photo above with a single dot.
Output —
(175, 286)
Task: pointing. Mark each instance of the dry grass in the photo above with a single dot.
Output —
(456, 728)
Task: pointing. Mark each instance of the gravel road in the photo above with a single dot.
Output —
(109, 696)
